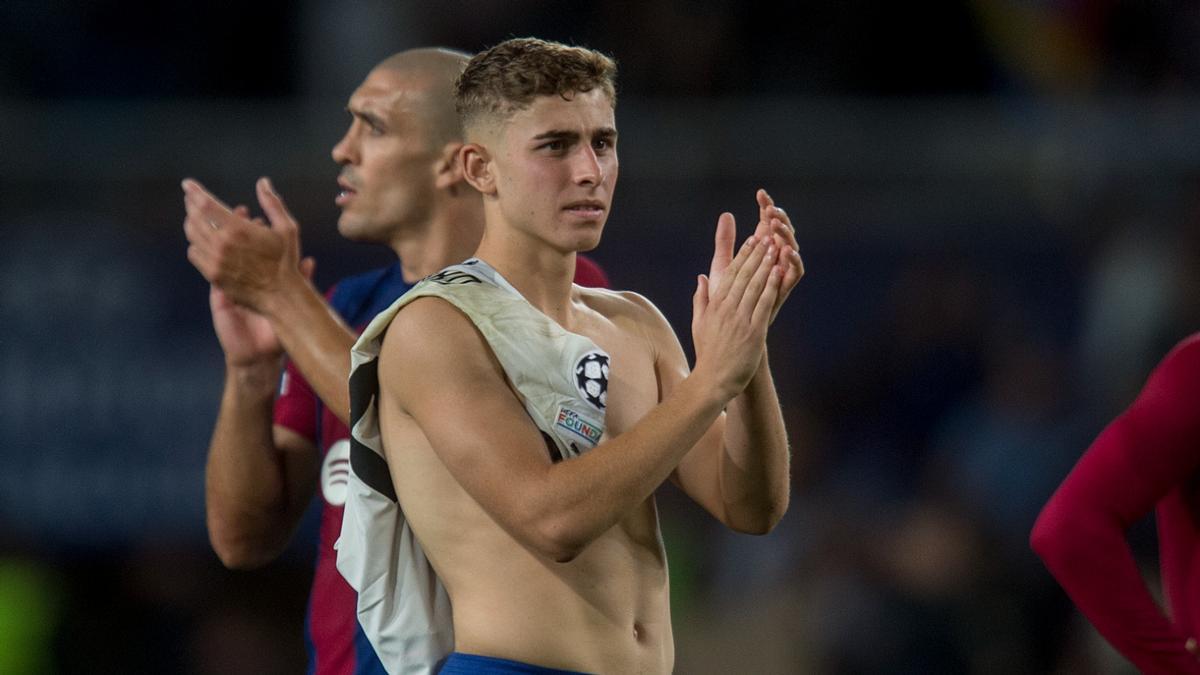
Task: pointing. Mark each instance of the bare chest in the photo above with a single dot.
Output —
(633, 384)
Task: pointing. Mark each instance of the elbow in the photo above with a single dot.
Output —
(562, 548)
(759, 519)
(559, 539)
(241, 557)
(1050, 541)
(759, 525)
(238, 551)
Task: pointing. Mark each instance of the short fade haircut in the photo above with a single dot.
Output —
(507, 77)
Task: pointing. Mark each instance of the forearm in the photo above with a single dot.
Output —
(754, 468)
(1080, 535)
(245, 487)
(580, 499)
(1092, 561)
(316, 340)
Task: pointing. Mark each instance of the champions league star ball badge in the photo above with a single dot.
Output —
(591, 378)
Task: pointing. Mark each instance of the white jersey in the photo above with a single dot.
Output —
(562, 379)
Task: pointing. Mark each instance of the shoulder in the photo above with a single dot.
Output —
(432, 350)
(618, 304)
(632, 311)
(430, 332)
(1187, 349)
(1182, 363)
(428, 321)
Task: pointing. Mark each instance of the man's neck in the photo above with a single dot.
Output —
(542, 275)
(450, 238)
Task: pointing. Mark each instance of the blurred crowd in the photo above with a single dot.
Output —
(936, 389)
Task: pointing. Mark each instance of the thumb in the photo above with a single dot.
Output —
(723, 243)
(272, 205)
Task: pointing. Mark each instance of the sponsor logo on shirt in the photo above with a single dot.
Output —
(335, 473)
(579, 425)
(454, 277)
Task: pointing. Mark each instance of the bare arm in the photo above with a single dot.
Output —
(260, 268)
(259, 478)
(498, 456)
(739, 471)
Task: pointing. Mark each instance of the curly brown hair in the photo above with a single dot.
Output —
(507, 77)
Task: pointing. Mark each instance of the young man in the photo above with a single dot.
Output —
(399, 186)
(511, 428)
(1147, 459)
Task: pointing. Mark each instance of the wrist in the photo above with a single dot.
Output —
(711, 391)
(259, 378)
(276, 301)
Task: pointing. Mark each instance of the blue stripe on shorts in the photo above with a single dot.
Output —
(472, 664)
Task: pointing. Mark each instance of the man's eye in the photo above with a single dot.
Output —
(553, 145)
(602, 144)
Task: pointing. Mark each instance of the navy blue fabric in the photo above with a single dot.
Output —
(473, 664)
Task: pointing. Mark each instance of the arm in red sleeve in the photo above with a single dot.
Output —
(1151, 449)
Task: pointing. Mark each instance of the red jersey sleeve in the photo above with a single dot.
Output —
(1148, 452)
(588, 273)
(296, 407)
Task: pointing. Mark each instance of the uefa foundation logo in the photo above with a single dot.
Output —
(335, 473)
(591, 378)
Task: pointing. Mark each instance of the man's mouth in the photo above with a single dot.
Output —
(345, 193)
(589, 208)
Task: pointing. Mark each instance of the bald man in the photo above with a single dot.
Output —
(400, 186)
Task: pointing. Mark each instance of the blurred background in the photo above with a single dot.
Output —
(996, 200)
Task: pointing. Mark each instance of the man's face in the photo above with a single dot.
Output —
(556, 169)
(388, 158)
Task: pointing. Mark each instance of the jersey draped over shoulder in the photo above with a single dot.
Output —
(562, 381)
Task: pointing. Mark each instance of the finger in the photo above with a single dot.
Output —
(785, 233)
(719, 288)
(244, 212)
(796, 266)
(192, 187)
(782, 216)
(764, 309)
(307, 266)
(723, 244)
(197, 231)
(737, 288)
(758, 280)
(272, 205)
(764, 199)
(791, 275)
(201, 260)
(193, 217)
(211, 211)
(764, 212)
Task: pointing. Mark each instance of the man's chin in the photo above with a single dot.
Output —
(352, 228)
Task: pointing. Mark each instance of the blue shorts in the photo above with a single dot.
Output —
(470, 664)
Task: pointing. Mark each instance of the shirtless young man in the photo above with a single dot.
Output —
(274, 446)
(550, 555)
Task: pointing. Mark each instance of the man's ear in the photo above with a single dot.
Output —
(447, 172)
(475, 162)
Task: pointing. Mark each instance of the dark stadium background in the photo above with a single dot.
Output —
(996, 201)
